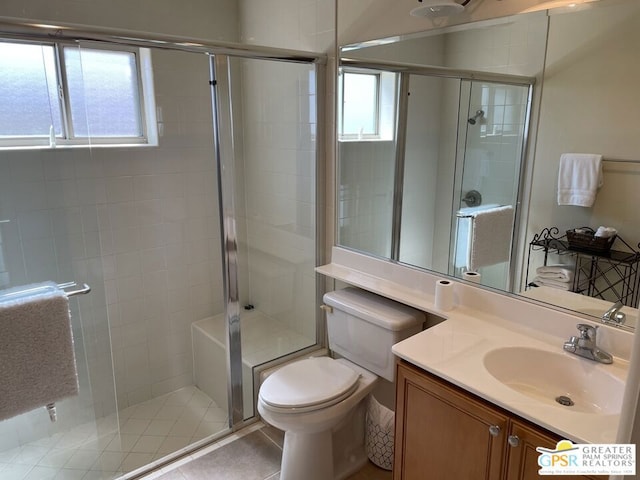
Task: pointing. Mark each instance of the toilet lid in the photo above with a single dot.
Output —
(305, 383)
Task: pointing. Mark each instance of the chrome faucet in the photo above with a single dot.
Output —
(585, 345)
(614, 315)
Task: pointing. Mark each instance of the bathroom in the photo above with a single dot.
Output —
(190, 259)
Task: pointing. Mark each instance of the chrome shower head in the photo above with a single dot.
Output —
(479, 114)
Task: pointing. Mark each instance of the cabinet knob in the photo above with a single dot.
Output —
(494, 430)
(513, 440)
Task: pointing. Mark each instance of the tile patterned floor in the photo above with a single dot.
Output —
(148, 432)
(254, 456)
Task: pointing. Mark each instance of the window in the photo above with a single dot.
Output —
(360, 103)
(65, 94)
(367, 100)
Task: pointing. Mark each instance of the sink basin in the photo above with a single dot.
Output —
(558, 379)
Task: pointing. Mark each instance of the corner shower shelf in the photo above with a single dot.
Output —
(612, 276)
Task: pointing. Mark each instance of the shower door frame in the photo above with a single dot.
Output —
(221, 94)
(219, 53)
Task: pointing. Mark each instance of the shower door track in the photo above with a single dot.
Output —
(19, 28)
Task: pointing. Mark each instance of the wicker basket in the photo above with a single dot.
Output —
(586, 241)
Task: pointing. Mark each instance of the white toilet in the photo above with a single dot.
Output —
(320, 402)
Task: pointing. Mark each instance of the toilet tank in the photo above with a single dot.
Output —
(363, 326)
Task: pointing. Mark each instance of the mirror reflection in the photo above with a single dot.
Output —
(449, 154)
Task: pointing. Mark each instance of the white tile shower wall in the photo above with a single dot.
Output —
(279, 157)
(160, 236)
(60, 219)
(46, 239)
(139, 225)
(279, 190)
(494, 145)
(366, 195)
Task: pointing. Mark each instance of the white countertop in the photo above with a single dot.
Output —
(454, 350)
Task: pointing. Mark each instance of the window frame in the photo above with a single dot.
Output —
(378, 87)
(146, 100)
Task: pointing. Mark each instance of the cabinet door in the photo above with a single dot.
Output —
(522, 459)
(442, 433)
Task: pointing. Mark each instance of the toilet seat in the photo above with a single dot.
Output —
(308, 385)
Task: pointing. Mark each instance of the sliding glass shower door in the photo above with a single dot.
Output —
(267, 155)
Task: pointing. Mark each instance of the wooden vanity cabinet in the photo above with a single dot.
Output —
(443, 432)
(522, 460)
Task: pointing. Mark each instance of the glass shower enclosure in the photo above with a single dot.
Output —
(458, 142)
(199, 251)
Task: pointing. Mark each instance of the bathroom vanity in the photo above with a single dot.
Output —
(450, 433)
(478, 392)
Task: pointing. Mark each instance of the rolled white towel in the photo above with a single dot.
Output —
(605, 232)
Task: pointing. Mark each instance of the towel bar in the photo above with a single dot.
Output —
(81, 291)
(460, 214)
(62, 286)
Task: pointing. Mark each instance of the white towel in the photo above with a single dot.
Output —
(559, 273)
(463, 233)
(579, 177)
(605, 232)
(463, 242)
(492, 230)
(37, 361)
(545, 282)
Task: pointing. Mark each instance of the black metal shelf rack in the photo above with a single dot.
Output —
(612, 276)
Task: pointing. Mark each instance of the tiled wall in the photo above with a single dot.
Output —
(160, 236)
(50, 232)
(276, 203)
(365, 203)
(139, 225)
(278, 215)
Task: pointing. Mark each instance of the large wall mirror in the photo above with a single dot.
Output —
(450, 144)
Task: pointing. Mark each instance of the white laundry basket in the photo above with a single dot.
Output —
(379, 434)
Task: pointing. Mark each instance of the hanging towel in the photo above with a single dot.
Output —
(491, 232)
(37, 361)
(579, 177)
(463, 233)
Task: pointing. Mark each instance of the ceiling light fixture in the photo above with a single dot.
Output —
(438, 8)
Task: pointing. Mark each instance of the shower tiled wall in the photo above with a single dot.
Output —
(160, 236)
(135, 224)
(140, 225)
(278, 206)
(365, 203)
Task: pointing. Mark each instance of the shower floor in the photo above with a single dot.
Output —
(148, 432)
